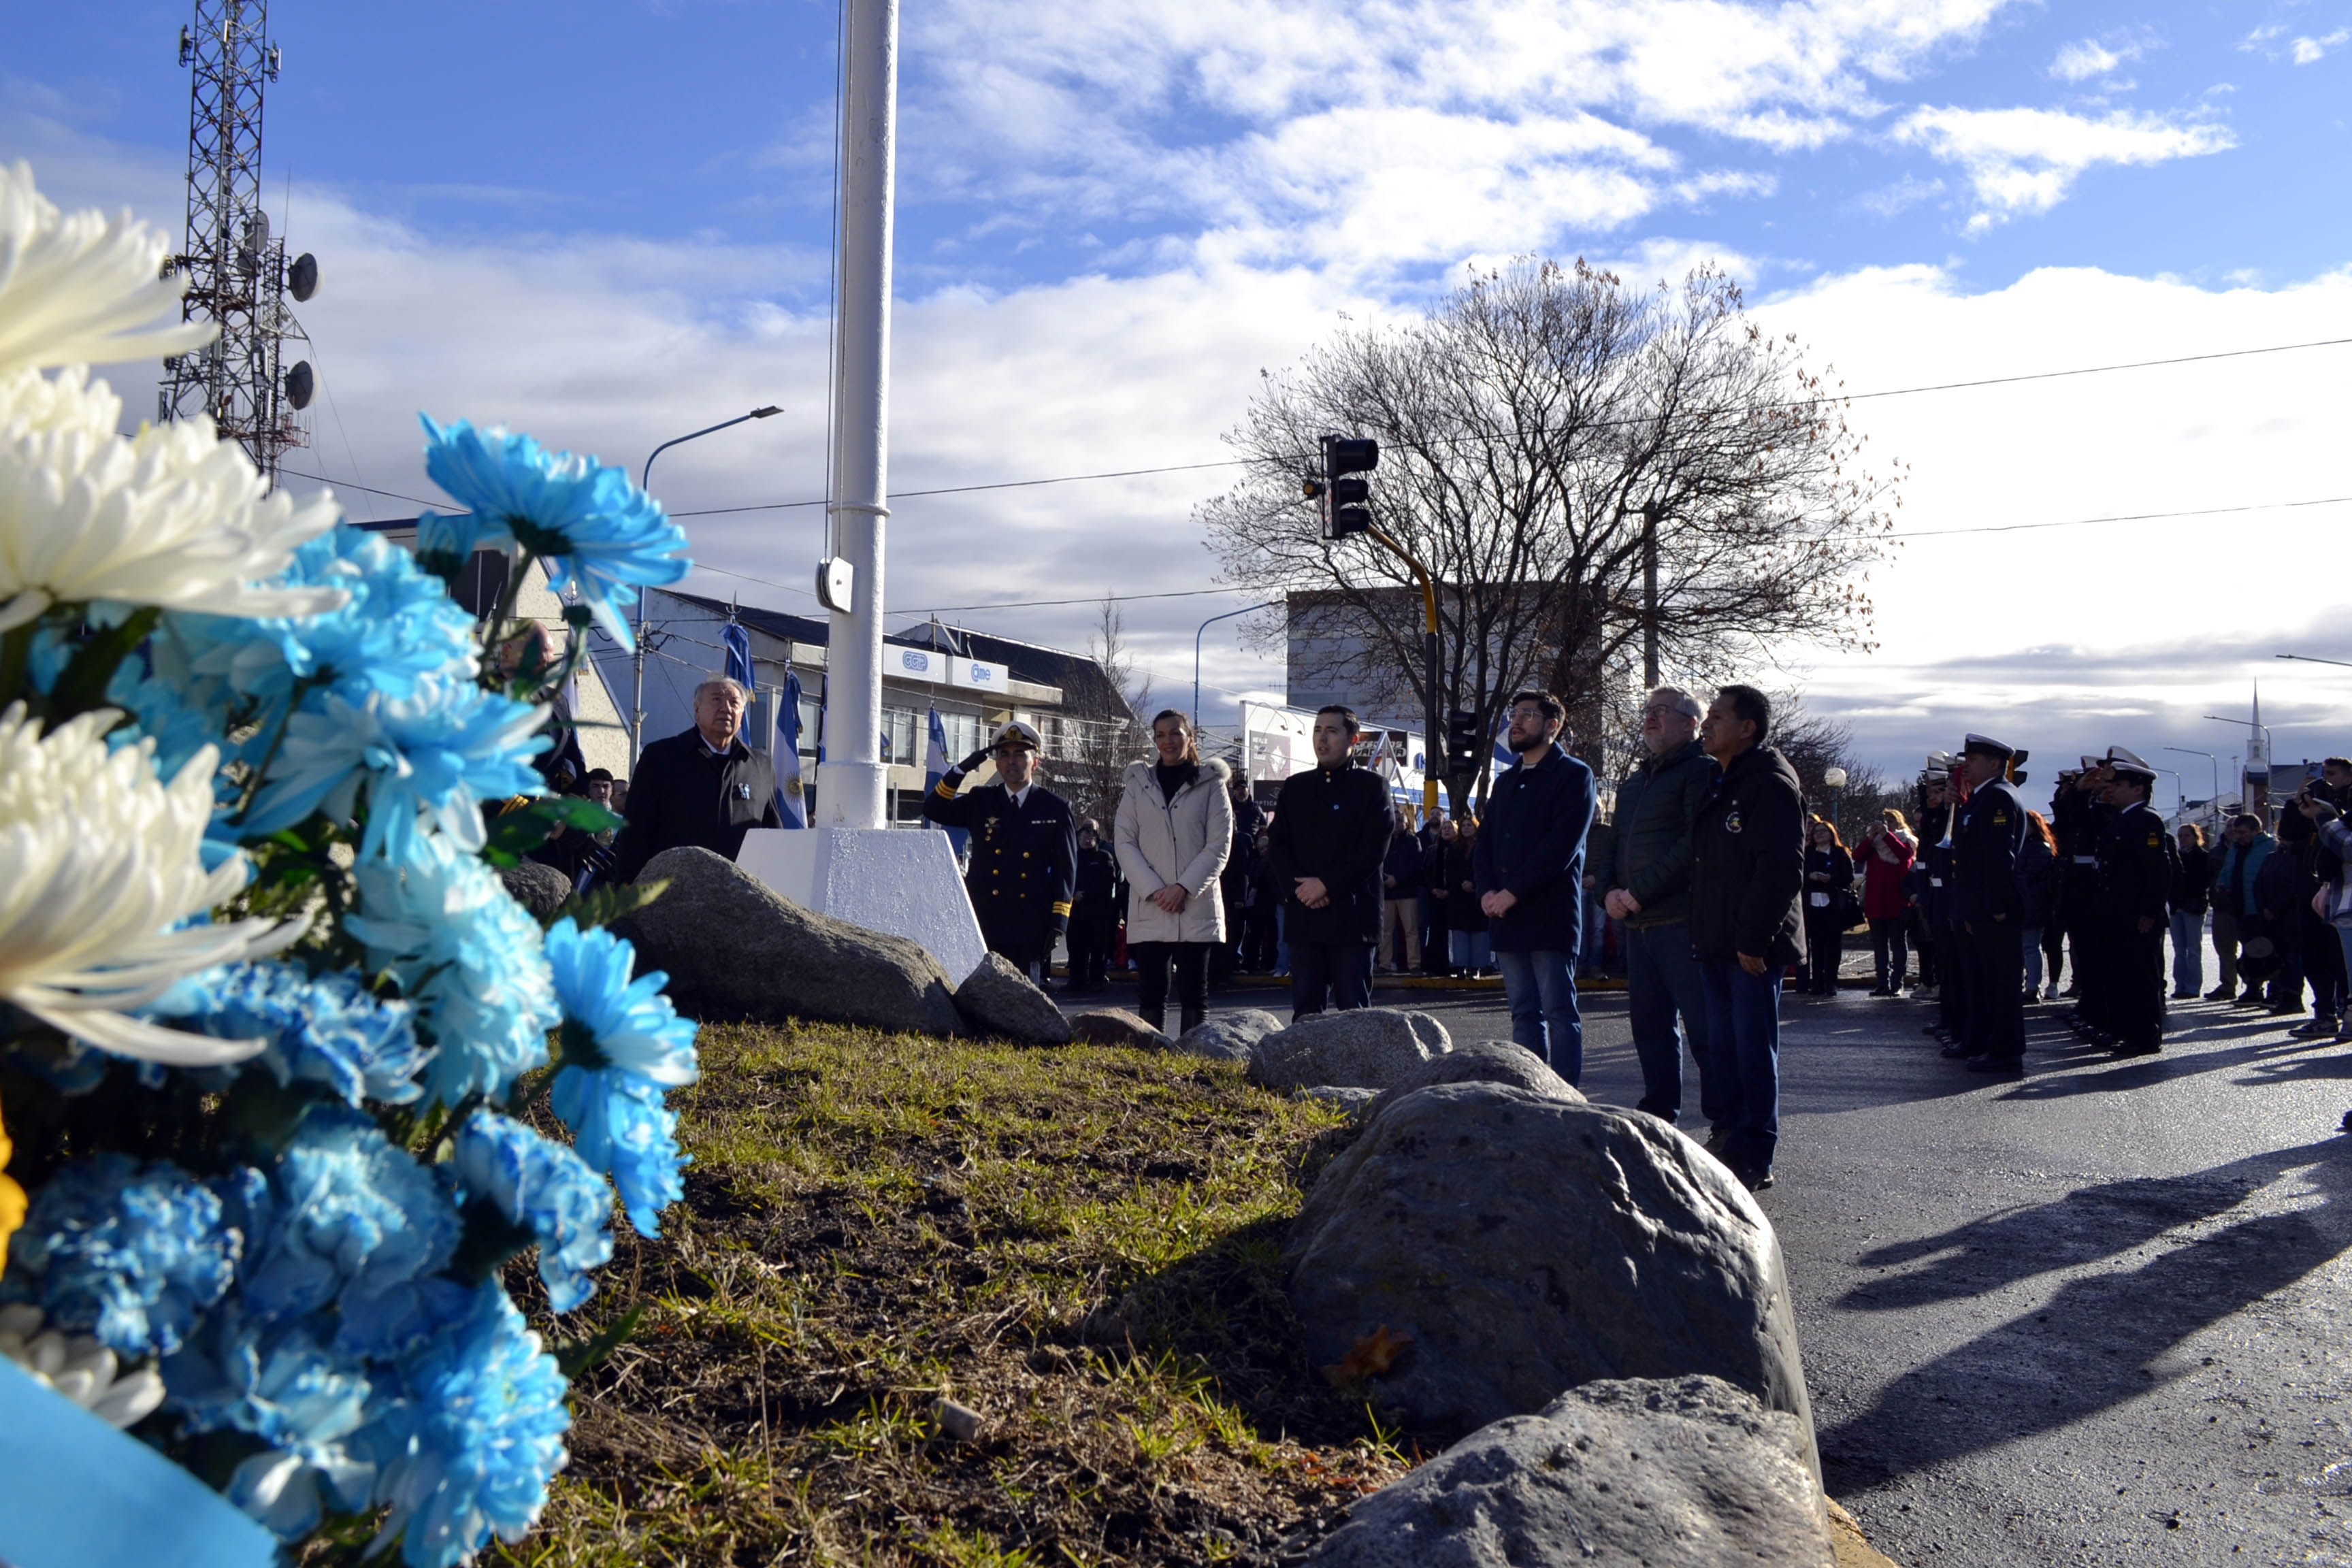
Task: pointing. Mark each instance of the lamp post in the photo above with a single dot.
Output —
(1834, 781)
(2215, 804)
(2270, 755)
(645, 482)
(2180, 791)
(1211, 621)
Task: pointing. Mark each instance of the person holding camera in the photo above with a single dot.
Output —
(1887, 851)
(1024, 849)
(1829, 884)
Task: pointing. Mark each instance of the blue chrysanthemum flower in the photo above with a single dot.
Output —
(354, 1215)
(620, 1126)
(128, 1253)
(440, 752)
(592, 527)
(328, 1029)
(300, 1397)
(397, 622)
(611, 1020)
(469, 956)
(546, 1189)
(478, 1433)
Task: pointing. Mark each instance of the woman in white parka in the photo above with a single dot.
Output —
(1175, 829)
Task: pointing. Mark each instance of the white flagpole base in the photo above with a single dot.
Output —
(900, 881)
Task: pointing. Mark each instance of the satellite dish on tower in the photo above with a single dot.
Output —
(299, 383)
(302, 276)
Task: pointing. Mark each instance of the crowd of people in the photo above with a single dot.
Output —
(1710, 889)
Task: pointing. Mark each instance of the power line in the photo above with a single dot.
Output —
(2120, 517)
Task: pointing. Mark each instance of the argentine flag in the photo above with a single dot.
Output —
(935, 768)
(792, 803)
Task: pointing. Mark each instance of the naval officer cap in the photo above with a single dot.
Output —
(2127, 764)
(1985, 746)
(1015, 734)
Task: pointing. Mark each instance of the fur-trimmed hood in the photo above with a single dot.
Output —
(1141, 774)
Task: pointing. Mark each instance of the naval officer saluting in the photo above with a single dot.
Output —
(1024, 849)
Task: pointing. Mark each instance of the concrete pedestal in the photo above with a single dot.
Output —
(898, 880)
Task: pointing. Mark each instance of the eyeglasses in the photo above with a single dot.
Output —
(1661, 710)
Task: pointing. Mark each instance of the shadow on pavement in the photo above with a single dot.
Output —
(2099, 1340)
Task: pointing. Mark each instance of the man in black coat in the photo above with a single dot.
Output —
(1094, 916)
(1400, 899)
(1331, 829)
(1530, 869)
(1748, 875)
(2134, 874)
(1024, 849)
(702, 786)
(1987, 840)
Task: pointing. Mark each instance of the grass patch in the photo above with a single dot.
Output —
(1082, 1243)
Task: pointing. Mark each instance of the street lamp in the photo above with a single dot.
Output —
(2270, 752)
(1211, 621)
(2180, 791)
(2215, 804)
(1833, 780)
(645, 482)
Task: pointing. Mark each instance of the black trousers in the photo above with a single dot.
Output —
(1952, 998)
(2131, 963)
(1996, 989)
(1824, 944)
(1891, 950)
(2053, 955)
(1342, 969)
(1151, 962)
(1090, 944)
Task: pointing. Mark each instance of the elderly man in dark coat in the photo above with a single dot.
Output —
(701, 786)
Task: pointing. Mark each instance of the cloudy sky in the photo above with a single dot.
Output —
(607, 222)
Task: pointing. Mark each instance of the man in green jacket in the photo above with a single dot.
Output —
(1647, 875)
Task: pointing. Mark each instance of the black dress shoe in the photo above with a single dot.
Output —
(1753, 1180)
(1955, 1050)
(2119, 1048)
(1996, 1064)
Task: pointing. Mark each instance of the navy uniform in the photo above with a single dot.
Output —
(1094, 910)
(1024, 856)
(2135, 877)
(1987, 838)
(2094, 977)
(1939, 911)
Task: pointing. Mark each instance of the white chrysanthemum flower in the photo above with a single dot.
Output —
(82, 287)
(172, 517)
(68, 400)
(79, 1368)
(98, 860)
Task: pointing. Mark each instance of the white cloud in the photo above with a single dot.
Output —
(2308, 51)
(1236, 117)
(2022, 160)
(2088, 58)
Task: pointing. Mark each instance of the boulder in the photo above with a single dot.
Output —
(1354, 1099)
(1498, 1246)
(999, 1001)
(1229, 1036)
(540, 888)
(1479, 1061)
(1690, 1473)
(735, 949)
(1366, 1048)
(1116, 1027)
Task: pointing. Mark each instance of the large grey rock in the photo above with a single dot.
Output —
(736, 950)
(1116, 1027)
(1525, 1244)
(998, 1000)
(1479, 1061)
(1690, 1473)
(1229, 1036)
(540, 888)
(1366, 1048)
(1354, 1099)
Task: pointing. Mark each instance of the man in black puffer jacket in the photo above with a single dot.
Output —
(1331, 829)
(1747, 874)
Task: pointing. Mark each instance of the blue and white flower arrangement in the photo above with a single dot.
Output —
(272, 1029)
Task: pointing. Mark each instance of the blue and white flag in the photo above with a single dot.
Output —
(738, 644)
(792, 803)
(935, 768)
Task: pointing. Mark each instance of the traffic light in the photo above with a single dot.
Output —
(1466, 744)
(1347, 503)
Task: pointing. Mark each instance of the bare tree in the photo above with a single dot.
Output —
(1104, 729)
(1593, 474)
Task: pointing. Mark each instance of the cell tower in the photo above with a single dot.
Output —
(238, 274)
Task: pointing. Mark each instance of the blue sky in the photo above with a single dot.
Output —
(608, 222)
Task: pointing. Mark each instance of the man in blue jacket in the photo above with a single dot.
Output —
(1528, 866)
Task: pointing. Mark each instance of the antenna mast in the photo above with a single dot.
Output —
(237, 270)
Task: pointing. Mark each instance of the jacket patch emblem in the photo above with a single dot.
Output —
(2000, 819)
(2154, 840)
(1731, 820)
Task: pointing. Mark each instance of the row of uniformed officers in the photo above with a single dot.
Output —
(2115, 864)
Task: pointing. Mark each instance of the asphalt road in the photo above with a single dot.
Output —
(2095, 1315)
